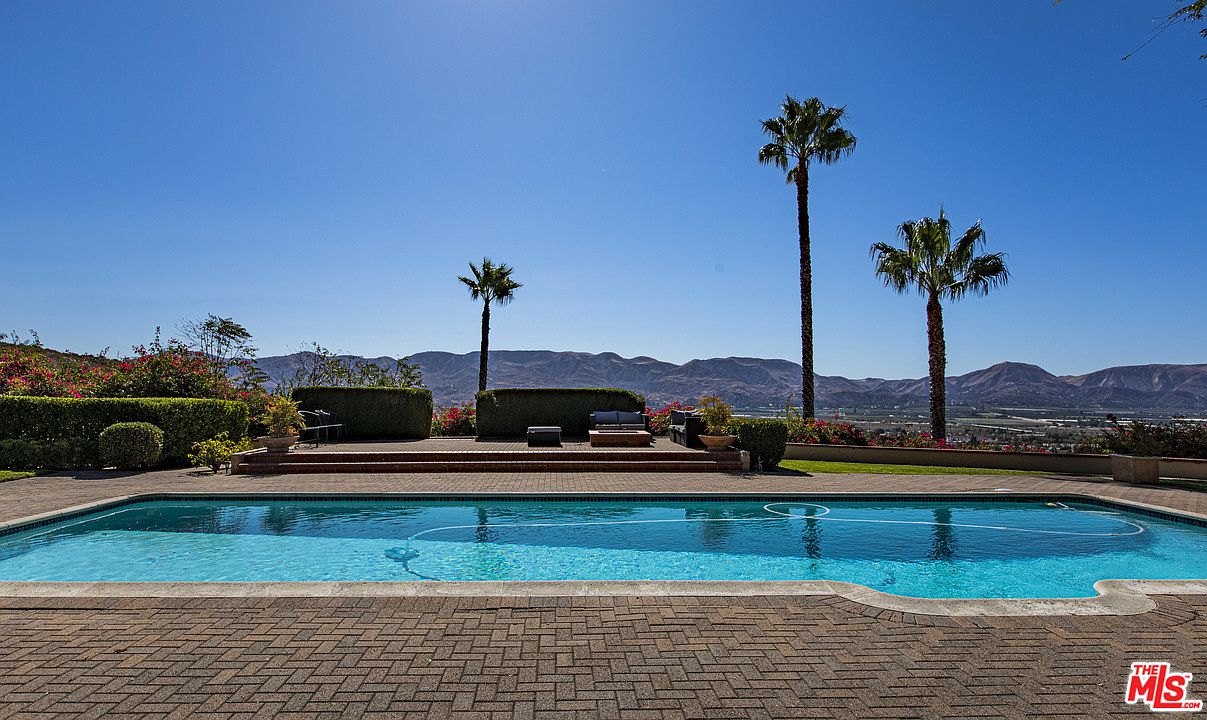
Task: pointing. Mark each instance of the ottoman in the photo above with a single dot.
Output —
(544, 435)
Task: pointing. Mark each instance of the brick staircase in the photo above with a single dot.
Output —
(552, 460)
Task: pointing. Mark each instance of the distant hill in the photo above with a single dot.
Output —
(757, 382)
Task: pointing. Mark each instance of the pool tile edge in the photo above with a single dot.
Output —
(1115, 597)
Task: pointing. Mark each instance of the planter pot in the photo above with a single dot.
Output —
(278, 444)
(717, 442)
(1134, 469)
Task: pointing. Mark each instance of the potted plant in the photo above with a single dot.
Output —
(716, 415)
(283, 420)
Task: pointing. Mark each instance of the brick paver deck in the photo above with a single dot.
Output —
(638, 657)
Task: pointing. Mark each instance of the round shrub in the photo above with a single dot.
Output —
(130, 445)
(765, 438)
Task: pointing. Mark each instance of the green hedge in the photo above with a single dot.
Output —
(69, 429)
(509, 413)
(371, 412)
(22, 454)
(766, 439)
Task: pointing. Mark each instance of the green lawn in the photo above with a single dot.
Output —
(15, 474)
(820, 466)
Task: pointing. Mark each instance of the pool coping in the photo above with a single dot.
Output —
(1114, 596)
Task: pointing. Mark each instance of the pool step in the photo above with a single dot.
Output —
(490, 461)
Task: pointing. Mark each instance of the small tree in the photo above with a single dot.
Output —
(491, 284)
(221, 339)
(318, 366)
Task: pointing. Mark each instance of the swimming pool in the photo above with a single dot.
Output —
(952, 548)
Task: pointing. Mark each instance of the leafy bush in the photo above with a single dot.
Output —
(130, 445)
(765, 439)
(454, 420)
(716, 414)
(373, 412)
(281, 417)
(816, 431)
(23, 454)
(217, 451)
(660, 420)
(510, 412)
(1179, 439)
(80, 422)
(157, 371)
(903, 439)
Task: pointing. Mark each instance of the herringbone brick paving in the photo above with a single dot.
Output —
(683, 657)
(634, 657)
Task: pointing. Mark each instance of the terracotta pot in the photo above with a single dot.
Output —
(277, 444)
(717, 442)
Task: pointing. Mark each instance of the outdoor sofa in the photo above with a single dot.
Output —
(619, 420)
(686, 429)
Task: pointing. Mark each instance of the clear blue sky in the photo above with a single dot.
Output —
(323, 171)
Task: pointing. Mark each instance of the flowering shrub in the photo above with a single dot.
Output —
(904, 439)
(454, 420)
(1180, 438)
(164, 371)
(660, 420)
(825, 432)
(30, 372)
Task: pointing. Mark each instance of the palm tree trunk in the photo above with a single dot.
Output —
(485, 346)
(807, 408)
(938, 368)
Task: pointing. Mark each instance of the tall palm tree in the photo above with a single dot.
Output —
(939, 271)
(491, 284)
(804, 133)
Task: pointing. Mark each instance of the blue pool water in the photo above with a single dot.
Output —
(922, 549)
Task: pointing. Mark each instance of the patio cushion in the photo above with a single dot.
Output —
(629, 418)
(607, 417)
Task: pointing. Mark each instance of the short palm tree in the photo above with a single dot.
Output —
(805, 133)
(939, 271)
(491, 284)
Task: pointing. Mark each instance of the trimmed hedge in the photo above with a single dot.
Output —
(510, 412)
(766, 439)
(373, 412)
(71, 427)
(130, 445)
(21, 454)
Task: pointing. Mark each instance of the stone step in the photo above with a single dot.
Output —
(543, 465)
(491, 456)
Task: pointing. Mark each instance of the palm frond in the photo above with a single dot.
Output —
(930, 263)
(966, 247)
(896, 267)
(805, 131)
(983, 274)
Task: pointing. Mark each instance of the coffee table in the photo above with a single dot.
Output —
(619, 438)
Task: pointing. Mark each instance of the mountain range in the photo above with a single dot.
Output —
(757, 382)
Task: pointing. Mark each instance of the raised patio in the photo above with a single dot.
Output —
(443, 455)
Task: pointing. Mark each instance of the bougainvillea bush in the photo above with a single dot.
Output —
(904, 439)
(825, 432)
(155, 371)
(30, 372)
(1180, 438)
(660, 420)
(454, 420)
